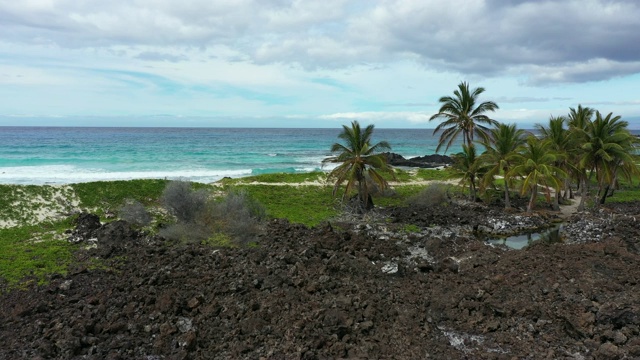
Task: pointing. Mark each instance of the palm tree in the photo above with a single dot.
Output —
(359, 162)
(609, 148)
(501, 144)
(579, 120)
(536, 166)
(468, 165)
(462, 115)
(561, 142)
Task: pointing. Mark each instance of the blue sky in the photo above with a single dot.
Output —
(287, 63)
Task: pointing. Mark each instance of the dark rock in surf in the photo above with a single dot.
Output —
(427, 161)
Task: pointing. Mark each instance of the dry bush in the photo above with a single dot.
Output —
(134, 213)
(237, 215)
(182, 202)
(435, 194)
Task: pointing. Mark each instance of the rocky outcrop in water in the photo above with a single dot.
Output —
(427, 161)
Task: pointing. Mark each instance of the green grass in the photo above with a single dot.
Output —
(411, 229)
(287, 178)
(406, 176)
(309, 205)
(103, 196)
(21, 257)
(628, 195)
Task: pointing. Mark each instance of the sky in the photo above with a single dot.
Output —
(288, 63)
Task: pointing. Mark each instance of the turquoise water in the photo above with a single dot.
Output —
(57, 155)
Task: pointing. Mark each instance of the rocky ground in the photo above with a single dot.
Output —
(372, 290)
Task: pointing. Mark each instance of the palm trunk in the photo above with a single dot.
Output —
(507, 201)
(556, 200)
(583, 192)
(604, 194)
(532, 200)
(567, 190)
(364, 199)
(472, 190)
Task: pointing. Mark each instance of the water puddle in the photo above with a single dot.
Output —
(549, 236)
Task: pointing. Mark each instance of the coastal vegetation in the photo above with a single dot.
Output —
(583, 153)
(33, 235)
(463, 117)
(360, 165)
(573, 149)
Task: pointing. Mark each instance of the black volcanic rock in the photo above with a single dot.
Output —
(427, 161)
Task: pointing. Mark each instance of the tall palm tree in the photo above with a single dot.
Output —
(536, 166)
(462, 115)
(468, 165)
(561, 142)
(359, 162)
(501, 144)
(609, 148)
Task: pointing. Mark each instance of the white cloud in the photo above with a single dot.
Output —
(540, 39)
(351, 59)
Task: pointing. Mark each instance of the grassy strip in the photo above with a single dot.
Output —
(21, 257)
(287, 178)
(628, 195)
(32, 252)
(105, 196)
(309, 205)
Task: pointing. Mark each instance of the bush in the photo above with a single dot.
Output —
(182, 202)
(235, 216)
(134, 213)
(435, 194)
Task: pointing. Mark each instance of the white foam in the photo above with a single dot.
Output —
(68, 174)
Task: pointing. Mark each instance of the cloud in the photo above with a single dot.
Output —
(590, 70)
(542, 42)
(412, 117)
(616, 103)
(160, 56)
(525, 99)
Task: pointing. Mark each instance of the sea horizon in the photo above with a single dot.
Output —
(55, 155)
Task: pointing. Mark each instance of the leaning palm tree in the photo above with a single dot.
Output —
(501, 144)
(536, 166)
(462, 115)
(360, 164)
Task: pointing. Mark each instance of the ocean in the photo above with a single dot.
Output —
(64, 155)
